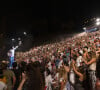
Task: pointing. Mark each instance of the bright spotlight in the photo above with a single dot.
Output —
(97, 23)
(12, 39)
(25, 33)
(84, 28)
(98, 19)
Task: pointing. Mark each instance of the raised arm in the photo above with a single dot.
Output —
(90, 62)
(78, 73)
(22, 82)
(18, 45)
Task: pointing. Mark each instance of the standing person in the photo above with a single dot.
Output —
(11, 54)
(10, 76)
(67, 69)
(63, 77)
(72, 74)
(31, 78)
(17, 73)
(92, 69)
(98, 73)
(48, 80)
(80, 77)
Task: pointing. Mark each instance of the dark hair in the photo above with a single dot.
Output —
(48, 71)
(35, 80)
(74, 57)
(86, 47)
(66, 63)
(14, 64)
(36, 64)
(64, 56)
(1, 73)
(23, 66)
(4, 66)
(81, 69)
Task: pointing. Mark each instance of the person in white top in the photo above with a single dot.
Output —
(3, 86)
(48, 80)
(11, 53)
(78, 60)
(49, 66)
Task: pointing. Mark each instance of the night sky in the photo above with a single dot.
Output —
(44, 20)
(47, 15)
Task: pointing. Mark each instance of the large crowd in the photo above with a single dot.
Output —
(70, 64)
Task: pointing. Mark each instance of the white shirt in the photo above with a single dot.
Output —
(89, 49)
(3, 86)
(78, 61)
(48, 81)
(12, 52)
(62, 54)
(57, 76)
(72, 77)
(81, 51)
(93, 66)
(49, 66)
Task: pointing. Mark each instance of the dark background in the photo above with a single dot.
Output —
(42, 20)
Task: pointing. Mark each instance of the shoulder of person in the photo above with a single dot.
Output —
(3, 86)
(12, 72)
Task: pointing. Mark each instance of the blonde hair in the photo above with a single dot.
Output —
(63, 74)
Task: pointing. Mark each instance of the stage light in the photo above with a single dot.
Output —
(84, 28)
(13, 39)
(98, 19)
(97, 23)
(25, 33)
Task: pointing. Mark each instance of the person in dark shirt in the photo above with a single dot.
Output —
(32, 78)
(17, 73)
(98, 74)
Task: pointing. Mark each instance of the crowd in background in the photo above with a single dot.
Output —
(71, 64)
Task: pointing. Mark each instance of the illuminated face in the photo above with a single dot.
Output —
(85, 49)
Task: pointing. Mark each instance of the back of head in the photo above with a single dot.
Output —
(14, 64)
(23, 66)
(1, 73)
(35, 81)
(66, 63)
(36, 64)
(4, 66)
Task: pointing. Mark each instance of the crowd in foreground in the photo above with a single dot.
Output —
(71, 64)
